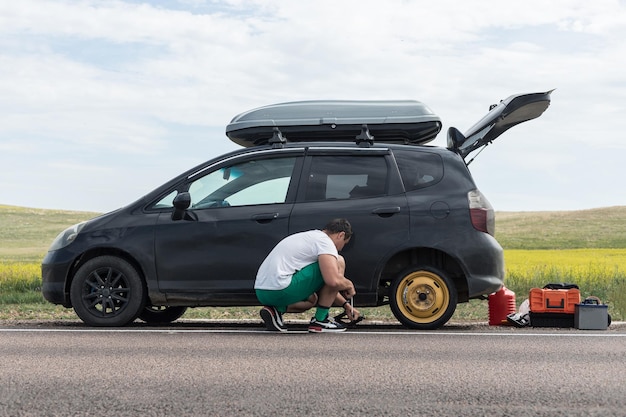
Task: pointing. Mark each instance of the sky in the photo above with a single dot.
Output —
(103, 101)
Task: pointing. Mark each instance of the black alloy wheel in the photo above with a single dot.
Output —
(107, 291)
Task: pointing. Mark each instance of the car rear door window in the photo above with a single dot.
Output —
(346, 177)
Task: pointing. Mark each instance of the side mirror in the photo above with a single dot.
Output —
(181, 203)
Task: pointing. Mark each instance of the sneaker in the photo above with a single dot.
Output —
(327, 325)
(273, 319)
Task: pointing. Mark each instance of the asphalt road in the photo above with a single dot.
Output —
(204, 369)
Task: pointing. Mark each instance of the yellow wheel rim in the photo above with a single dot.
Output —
(422, 297)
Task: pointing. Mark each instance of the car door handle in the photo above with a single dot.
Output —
(265, 217)
(386, 211)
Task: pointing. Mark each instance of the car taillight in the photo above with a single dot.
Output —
(481, 212)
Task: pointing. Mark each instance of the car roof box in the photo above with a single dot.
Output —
(389, 121)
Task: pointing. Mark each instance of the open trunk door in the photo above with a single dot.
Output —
(501, 117)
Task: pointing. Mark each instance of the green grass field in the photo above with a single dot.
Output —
(26, 233)
(584, 247)
(585, 229)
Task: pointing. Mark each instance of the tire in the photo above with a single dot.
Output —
(423, 298)
(107, 291)
(161, 314)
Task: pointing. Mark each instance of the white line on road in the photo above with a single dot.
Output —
(356, 332)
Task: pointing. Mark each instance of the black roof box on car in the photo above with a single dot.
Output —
(390, 121)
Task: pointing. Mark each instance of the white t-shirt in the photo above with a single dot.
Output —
(291, 255)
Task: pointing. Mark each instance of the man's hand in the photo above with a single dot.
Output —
(350, 291)
(352, 312)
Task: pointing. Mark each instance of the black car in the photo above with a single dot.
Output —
(423, 237)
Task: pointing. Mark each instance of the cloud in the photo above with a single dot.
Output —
(156, 82)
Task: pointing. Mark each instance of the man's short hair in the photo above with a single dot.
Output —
(339, 225)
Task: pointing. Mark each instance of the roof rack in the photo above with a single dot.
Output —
(277, 140)
(364, 139)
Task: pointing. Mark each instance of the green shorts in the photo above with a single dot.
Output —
(304, 282)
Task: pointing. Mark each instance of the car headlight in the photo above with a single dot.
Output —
(67, 236)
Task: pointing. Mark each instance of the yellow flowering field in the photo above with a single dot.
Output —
(20, 282)
(598, 272)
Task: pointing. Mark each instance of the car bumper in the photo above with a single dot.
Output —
(483, 285)
(484, 267)
(54, 273)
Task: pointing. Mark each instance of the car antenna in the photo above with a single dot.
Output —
(365, 139)
(278, 140)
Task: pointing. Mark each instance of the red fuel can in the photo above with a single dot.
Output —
(501, 304)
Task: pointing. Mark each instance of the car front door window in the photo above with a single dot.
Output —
(263, 181)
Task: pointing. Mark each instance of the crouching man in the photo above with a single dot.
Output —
(305, 270)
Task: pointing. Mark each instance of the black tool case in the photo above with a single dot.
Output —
(393, 121)
(551, 319)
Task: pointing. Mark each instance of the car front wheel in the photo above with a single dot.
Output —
(423, 298)
(107, 291)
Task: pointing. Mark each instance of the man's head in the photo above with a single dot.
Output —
(340, 231)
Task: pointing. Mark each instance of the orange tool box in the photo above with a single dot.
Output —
(546, 300)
